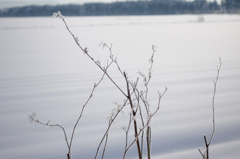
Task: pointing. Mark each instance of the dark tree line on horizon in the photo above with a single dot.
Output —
(152, 7)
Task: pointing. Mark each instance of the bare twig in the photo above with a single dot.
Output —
(109, 126)
(201, 153)
(213, 98)
(85, 50)
(106, 140)
(205, 154)
(114, 59)
(134, 118)
(143, 97)
(148, 122)
(134, 108)
(149, 141)
(94, 87)
(32, 118)
(127, 130)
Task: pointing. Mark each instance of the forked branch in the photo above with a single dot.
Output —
(33, 119)
(85, 50)
(130, 99)
(147, 124)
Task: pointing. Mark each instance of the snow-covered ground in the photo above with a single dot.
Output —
(42, 70)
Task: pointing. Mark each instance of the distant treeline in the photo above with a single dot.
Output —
(151, 7)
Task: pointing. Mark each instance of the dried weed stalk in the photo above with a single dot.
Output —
(135, 98)
(205, 151)
(131, 95)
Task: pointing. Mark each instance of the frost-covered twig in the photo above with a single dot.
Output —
(127, 130)
(213, 98)
(205, 153)
(33, 119)
(140, 96)
(85, 50)
(111, 121)
(147, 124)
(112, 57)
(134, 119)
(144, 99)
(91, 95)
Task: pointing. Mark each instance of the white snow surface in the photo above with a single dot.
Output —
(42, 70)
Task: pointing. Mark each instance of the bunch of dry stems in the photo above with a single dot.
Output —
(136, 99)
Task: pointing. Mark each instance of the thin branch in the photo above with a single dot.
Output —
(94, 87)
(32, 119)
(69, 144)
(149, 141)
(201, 153)
(134, 119)
(128, 95)
(207, 144)
(114, 59)
(127, 130)
(85, 50)
(106, 140)
(148, 122)
(109, 126)
(213, 98)
(137, 97)
(141, 116)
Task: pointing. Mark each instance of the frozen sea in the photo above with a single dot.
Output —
(42, 70)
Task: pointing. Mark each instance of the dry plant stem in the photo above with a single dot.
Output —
(142, 131)
(148, 122)
(134, 120)
(141, 115)
(137, 96)
(205, 154)
(134, 89)
(106, 140)
(149, 141)
(69, 144)
(111, 56)
(86, 52)
(143, 97)
(127, 95)
(201, 153)
(213, 98)
(206, 144)
(32, 119)
(148, 133)
(127, 130)
(94, 87)
(109, 126)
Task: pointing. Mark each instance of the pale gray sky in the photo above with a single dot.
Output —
(14, 3)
